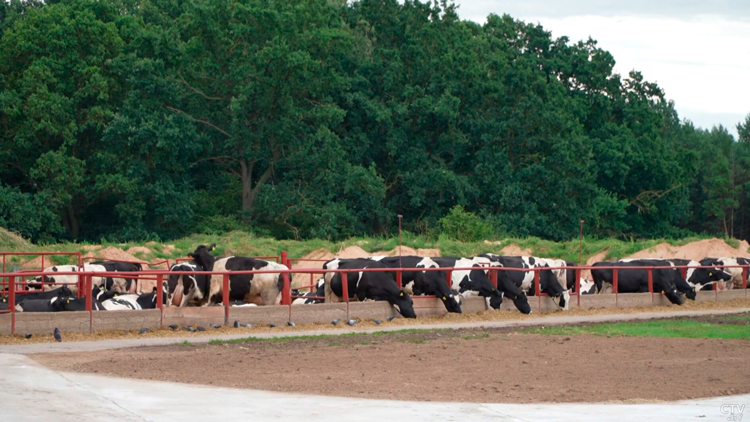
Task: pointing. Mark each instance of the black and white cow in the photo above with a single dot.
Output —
(548, 282)
(124, 285)
(366, 285)
(477, 282)
(636, 280)
(131, 302)
(187, 289)
(72, 304)
(734, 272)
(245, 287)
(63, 291)
(423, 282)
(318, 296)
(52, 281)
(696, 278)
(40, 305)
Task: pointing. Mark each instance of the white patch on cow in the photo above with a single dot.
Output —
(409, 288)
(487, 301)
(378, 257)
(587, 287)
(427, 263)
(123, 302)
(244, 305)
(566, 295)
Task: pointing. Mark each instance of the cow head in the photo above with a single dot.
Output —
(404, 305)
(707, 275)
(522, 303)
(668, 288)
(202, 256)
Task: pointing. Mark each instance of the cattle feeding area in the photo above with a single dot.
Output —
(204, 290)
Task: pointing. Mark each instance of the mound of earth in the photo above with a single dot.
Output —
(695, 250)
(112, 252)
(514, 250)
(139, 249)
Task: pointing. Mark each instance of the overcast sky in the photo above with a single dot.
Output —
(698, 52)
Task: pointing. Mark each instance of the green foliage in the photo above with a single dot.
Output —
(464, 226)
(325, 119)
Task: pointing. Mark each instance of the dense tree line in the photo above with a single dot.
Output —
(132, 119)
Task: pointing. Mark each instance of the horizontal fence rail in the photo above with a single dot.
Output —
(85, 279)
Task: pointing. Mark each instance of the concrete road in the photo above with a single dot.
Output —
(31, 392)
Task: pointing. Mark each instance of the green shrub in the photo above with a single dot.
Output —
(464, 226)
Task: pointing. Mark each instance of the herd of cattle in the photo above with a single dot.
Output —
(424, 276)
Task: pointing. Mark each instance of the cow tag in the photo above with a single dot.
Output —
(444, 298)
(401, 294)
(710, 274)
(662, 292)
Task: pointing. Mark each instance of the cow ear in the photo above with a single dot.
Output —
(212, 247)
(190, 255)
(154, 290)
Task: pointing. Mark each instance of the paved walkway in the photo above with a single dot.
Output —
(85, 346)
(31, 392)
(41, 394)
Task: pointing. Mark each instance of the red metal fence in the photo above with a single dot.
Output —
(86, 280)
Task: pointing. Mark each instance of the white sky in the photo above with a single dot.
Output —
(697, 51)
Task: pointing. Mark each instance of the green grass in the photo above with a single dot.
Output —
(325, 336)
(663, 328)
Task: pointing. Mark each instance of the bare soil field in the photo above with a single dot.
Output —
(465, 365)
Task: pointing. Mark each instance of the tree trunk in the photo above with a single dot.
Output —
(247, 180)
(71, 222)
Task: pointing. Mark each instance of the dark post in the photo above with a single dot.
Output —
(580, 243)
(159, 291)
(88, 301)
(345, 290)
(399, 244)
(286, 292)
(651, 283)
(578, 285)
(538, 290)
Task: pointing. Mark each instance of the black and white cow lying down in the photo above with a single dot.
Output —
(318, 296)
(54, 281)
(124, 285)
(477, 282)
(366, 285)
(548, 282)
(636, 280)
(423, 282)
(245, 287)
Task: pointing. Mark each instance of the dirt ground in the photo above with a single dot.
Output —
(467, 365)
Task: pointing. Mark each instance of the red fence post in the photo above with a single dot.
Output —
(399, 277)
(285, 259)
(578, 285)
(225, 297)
(538, 291)
(12, 303)
(614, 285)
(449, 278)
(493, 277)
(286, 292)
(88, 302)
(744, 280)
(42, 270)
(651, 283)
(345, 290)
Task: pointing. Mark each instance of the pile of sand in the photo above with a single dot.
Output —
(696, 250)
(139, 249)
(514, 250)
(112, 252)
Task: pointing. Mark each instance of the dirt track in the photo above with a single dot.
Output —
(470, 365)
